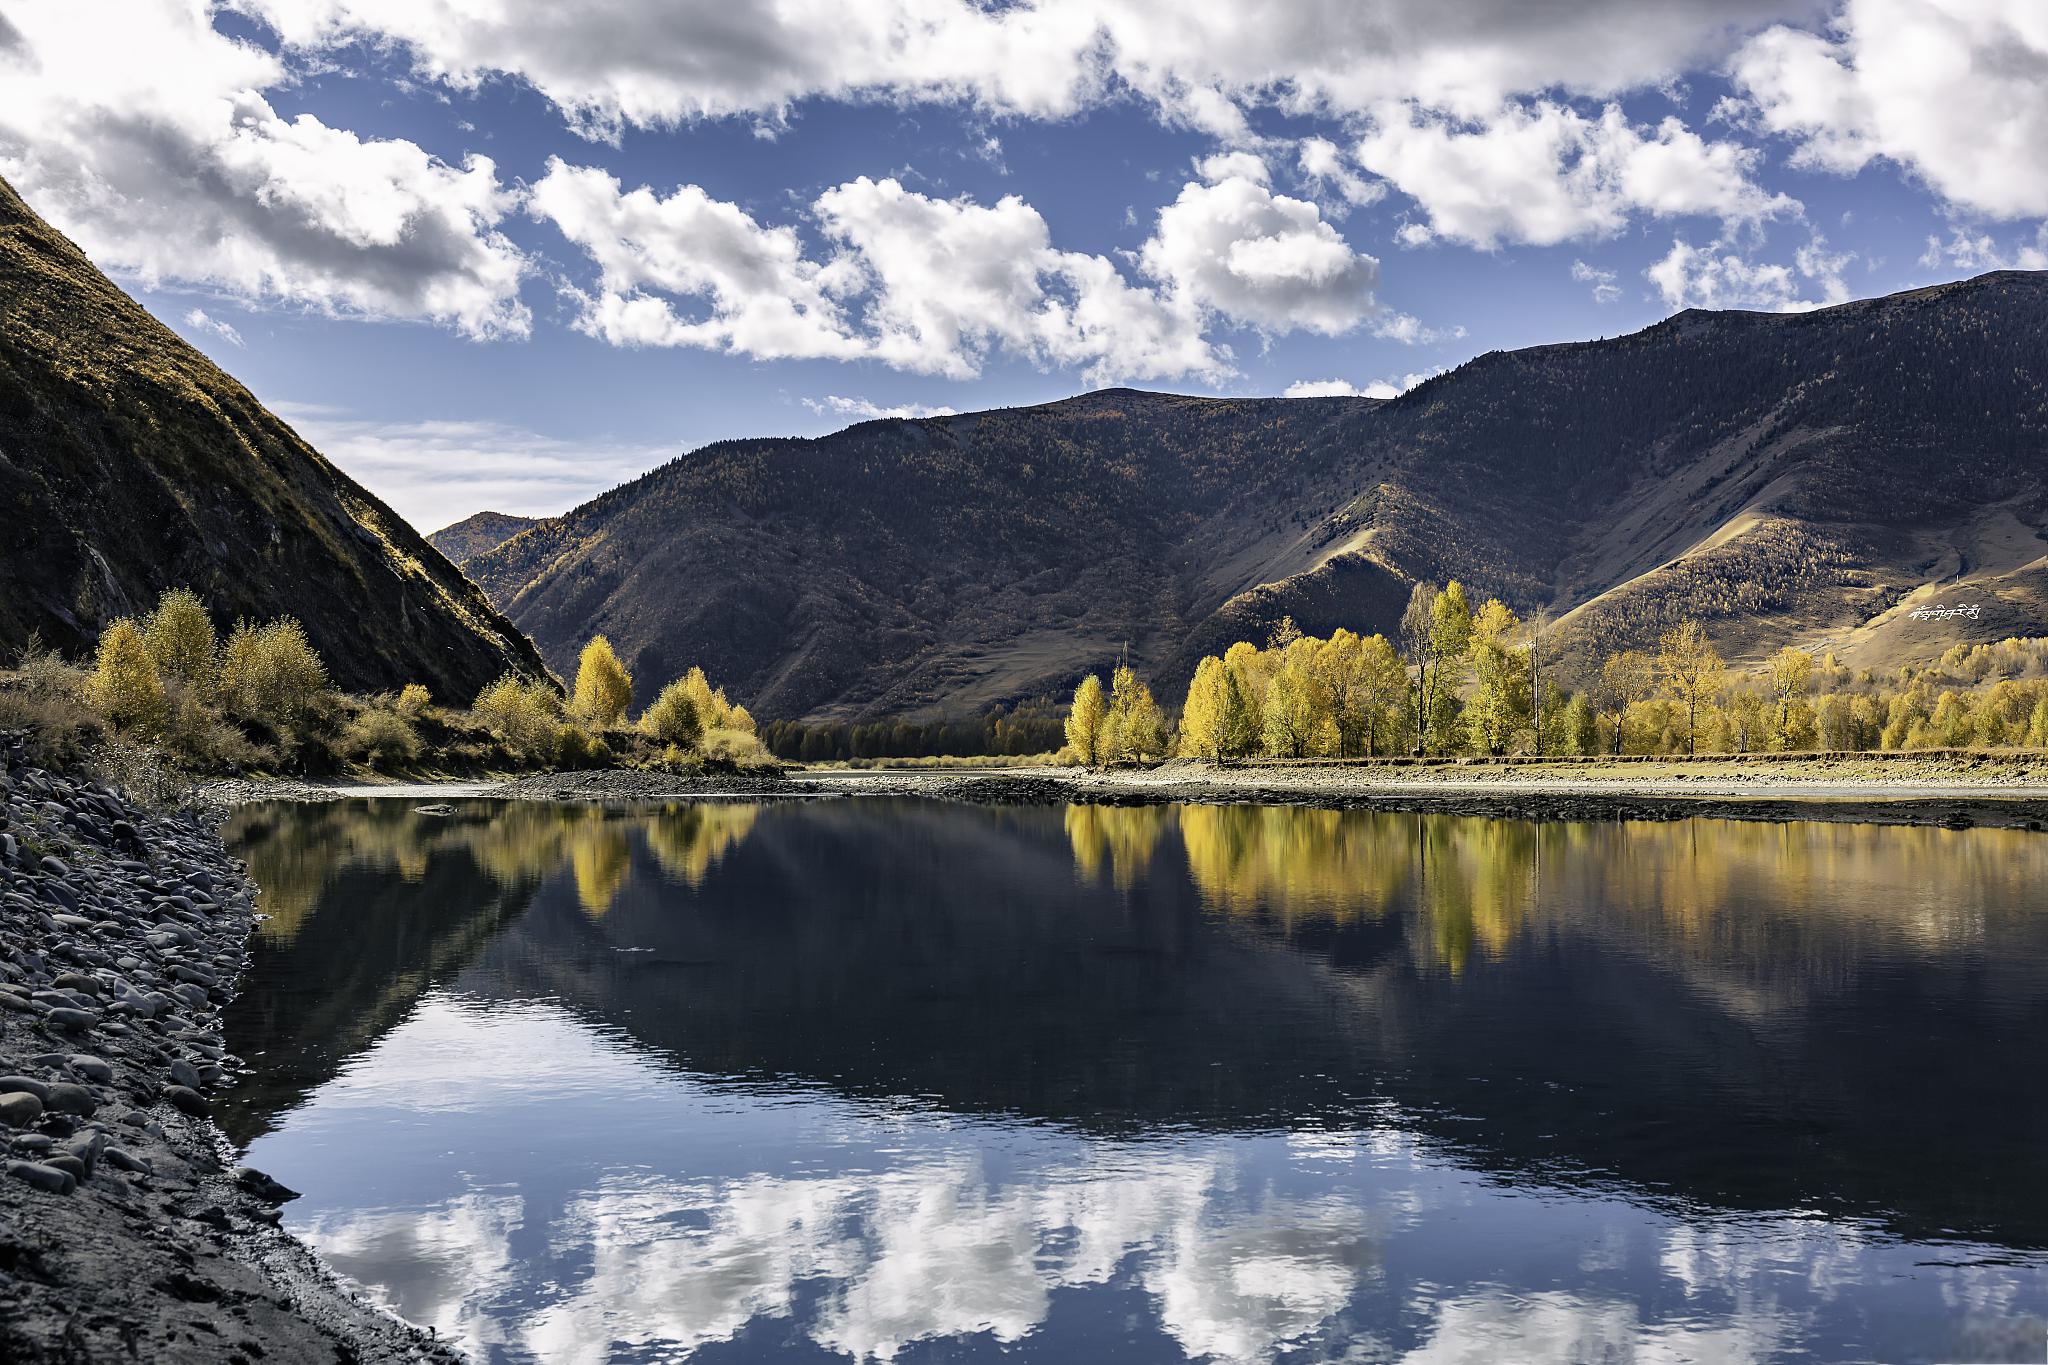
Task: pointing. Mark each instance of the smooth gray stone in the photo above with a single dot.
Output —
(19, 1109)
(28, 1085)
(48, 1178)
(66, 1098)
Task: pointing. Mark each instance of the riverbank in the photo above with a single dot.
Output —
(126, 1230)
(2001, 790)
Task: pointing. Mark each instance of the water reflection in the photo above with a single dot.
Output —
(879, 1080)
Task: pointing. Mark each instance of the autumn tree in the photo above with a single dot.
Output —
(603, 687)
(672, 717)
(1086, 718)
(1499, 707)
(272, 673)
(181, 640)
(1295, 703)
(125, 686)
(1689, 666)
(1790, 670)
(1131, 727)
(1202, 714)
(1625, 679)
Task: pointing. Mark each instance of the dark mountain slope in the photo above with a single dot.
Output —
(1805, 478)
(129, 463)
(475, 534)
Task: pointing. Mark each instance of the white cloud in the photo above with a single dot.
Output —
(142, 133)
(765, 298)
(1605, 290)
(1235, 247)
(1954, 91)
(1234, 166)
(1978, 252)
(934, 286)
(862, 410)
(1343, 388)
(1321, 162)
(1545, 173)
(198, 321)
(653, 64)
(1716, 276)
(434, 473)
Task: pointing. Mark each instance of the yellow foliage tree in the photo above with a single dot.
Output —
(272, 673)
(1689, 665)
(125, 686)
(1086, 720)
(181, 640)
(603, 687)
(673, 717)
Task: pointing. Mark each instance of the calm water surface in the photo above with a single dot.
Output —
(896, 1080)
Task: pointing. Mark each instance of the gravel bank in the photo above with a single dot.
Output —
(126, 1231)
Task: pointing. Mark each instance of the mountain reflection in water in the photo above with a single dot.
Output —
(897, 1079)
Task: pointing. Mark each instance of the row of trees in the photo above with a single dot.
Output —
(261, 697)
(1465, 680)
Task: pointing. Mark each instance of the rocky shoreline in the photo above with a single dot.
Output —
(127, 1232)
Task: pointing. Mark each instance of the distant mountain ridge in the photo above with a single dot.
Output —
(130, 463)
(1811, 477)
(475, 534)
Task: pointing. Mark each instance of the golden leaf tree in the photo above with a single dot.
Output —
(603, 687)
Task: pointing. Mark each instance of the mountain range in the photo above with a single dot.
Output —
(1805, 478)
(130, 463)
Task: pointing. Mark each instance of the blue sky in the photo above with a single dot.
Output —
(509, 261)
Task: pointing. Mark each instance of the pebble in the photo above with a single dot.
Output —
(19, 1109)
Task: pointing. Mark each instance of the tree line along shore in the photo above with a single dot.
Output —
(1483, 682)
(168, 695)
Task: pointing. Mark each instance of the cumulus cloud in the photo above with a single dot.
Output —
(198, 321)
(1261, 258)
(1605, 290)
(436, 472)
(1971, 252)
(1951, 90)
(934, 286)
(863, 410)
(1545, 173)
(654, 64)
(1717, 276)
(143, 133)
(765, 298)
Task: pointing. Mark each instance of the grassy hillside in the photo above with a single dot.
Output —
(1807, 479)
(130, 463)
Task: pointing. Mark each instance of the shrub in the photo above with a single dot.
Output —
(125, 686)
(522, 712)
(413, 701)
(49, 705)
(381, 738)
(272, 674)
(180, 637)
(603, 687)
(736, 747)
(674, 719)
(575, 750)
(196, 736)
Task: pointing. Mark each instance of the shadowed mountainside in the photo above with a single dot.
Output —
(130, 463)
(1787, 478)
